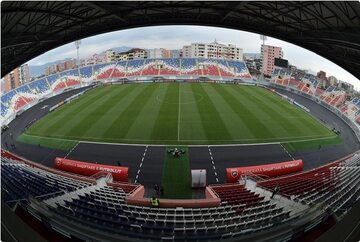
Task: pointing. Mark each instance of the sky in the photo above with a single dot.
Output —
(174, 37)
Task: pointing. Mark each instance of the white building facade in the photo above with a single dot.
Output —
(212, 50)
(159, 53)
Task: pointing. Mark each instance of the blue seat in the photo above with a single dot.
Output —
(39, 86)
(86, 72)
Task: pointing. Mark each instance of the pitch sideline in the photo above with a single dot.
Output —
(191, 145)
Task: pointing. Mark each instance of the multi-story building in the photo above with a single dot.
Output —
(175, 53)
(16, 77)
(159, 53)
(297, 73)
(250, 62)
(70, 64)
(61, 66)
(321, 75)
(198, 50)
(94, 59)
(293, 69)
(333, 81)
(346, 86)
(133, 54)
(253, 63)
(51, 69)
(2, 88)
(12, 80)
(24, 74)
(185, 52)
(212, 50)
(111, 55)
(268, 55)
(219, 51)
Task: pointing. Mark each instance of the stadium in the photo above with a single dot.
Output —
(178, 149)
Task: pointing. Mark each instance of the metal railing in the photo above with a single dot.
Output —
(102, 174)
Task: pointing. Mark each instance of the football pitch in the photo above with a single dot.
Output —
(177, 114)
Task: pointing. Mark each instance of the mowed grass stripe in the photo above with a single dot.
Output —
(282, 105)
(144, 123)
(106, 116)
(62, 115)
(310, 125)
(293, 129)
(82, 114)
(47, 142)
(124, 120)
(250, 124)
(259, 112)
(298, 116)
(93, 112)
(191, 127)
(208, 114)
(226, 110)
(166, 123)
(52, 118)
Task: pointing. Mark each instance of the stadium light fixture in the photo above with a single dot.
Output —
(77, 44)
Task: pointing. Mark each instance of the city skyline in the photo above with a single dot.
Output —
(174, 37)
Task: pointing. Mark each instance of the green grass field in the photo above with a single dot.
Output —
(176, 177)
(173, 114)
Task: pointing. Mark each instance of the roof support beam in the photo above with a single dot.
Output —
(108, 11)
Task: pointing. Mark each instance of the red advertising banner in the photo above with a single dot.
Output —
(271, 170)
(88, 169)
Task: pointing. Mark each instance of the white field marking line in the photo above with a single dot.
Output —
(141, 163)
(190, 145)
(311, 137)
(287, 152)
(298, 117)
(54, 138)
(203, 145)
(212, 161)
(73, 148)
(178, 134)
(184, 103)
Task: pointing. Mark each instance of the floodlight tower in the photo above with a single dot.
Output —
(263, 38)
(77, 45)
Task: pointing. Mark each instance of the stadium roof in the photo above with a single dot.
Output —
(330, 29)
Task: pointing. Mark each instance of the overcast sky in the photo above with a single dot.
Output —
(174, 37)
